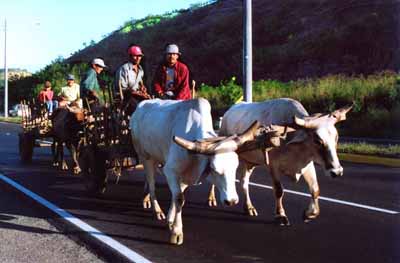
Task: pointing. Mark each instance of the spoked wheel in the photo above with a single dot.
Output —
(26, 144)
(93, 165)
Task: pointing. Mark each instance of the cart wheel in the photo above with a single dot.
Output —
(26, 143)
(93, 165)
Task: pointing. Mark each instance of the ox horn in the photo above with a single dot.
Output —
(305, 122)
(340, 114)
(212, 139)
(280, 130)
(229, 144)
(248, 134)
(199, 147)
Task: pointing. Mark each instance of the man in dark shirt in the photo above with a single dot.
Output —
(90, 88)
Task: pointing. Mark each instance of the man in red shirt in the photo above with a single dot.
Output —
(171, 80)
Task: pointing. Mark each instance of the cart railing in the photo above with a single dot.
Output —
(35, 116)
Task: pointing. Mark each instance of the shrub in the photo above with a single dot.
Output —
(376, 99)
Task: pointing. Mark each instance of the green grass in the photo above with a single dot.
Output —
(392, 151)
(376, 99)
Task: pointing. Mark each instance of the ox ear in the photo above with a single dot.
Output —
(300, 136)
(340, 114)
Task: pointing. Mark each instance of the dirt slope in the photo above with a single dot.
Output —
(291, 39)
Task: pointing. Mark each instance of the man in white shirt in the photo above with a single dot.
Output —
(70, 94)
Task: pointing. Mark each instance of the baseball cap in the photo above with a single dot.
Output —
(99, 62)
(70, 77)
(135, 50)
(172, 49)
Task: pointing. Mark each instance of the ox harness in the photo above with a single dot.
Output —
(266, 138)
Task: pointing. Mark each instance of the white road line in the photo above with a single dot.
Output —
(128, 253)
(333, 200)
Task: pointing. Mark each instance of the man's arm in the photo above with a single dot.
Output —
(90, 84)
(182, 90)
(157, 83)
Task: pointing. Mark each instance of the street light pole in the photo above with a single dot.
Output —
(247, 51)
(5, 71)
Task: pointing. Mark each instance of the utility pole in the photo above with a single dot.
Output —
(247, 52)
(5, 71)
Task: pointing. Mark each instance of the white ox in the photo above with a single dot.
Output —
(156, 124)
(315, 141)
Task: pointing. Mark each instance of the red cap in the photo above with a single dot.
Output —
(135, 51)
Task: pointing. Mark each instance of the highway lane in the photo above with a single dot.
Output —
(342, 232)
(27, 236)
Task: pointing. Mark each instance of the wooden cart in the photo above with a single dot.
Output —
(106, 146)
(36, 129)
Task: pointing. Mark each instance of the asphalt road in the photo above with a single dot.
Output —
(344, 232)
(27, 231)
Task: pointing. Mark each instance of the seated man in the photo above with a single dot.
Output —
(46, 97)
(70, 94)
(171, 80)
(90, 88)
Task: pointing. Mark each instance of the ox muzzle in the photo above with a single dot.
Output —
(336, 172)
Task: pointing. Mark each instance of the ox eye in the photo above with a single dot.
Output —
(318, 141)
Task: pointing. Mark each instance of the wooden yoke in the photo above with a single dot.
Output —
(267, 138)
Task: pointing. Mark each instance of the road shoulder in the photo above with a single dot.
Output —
(369, 159)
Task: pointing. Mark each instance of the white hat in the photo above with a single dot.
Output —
(172, 49)
(99, 62)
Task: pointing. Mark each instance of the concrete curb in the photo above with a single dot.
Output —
(369, 159)
(9, 121)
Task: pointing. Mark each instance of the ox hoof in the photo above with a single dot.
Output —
(308, 217)
(103, 190)
(64, 167)
(55, 164)
(146, 202)
(77, 170)
(98, 192)
(212, 202)
(160, 216)
(176, 239)
(251, 210)
(282, 221)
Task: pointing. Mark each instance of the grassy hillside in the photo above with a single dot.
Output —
(291, 39)
(324, 53)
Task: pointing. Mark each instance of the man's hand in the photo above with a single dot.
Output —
(93, 93)
(170, 94)
(143, 89)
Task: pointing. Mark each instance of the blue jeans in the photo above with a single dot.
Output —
(51, 104)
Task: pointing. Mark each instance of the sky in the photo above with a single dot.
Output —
(40, 31)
